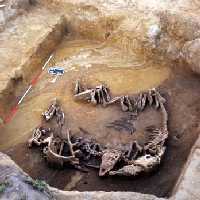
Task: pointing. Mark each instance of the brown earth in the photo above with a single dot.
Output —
(115, 64)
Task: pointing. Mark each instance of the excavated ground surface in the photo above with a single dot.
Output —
(100, 63)
(80, 59)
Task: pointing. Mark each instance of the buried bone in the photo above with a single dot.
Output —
(54, 151)
(51, 111)
(156, 141)
(133, 151)
(98, 95)
(60, 116)
(78, 88)
(144, 163)
(91, 152)
(139, 103)
(62, 149)
(37, 136)
(110, 158)
(55, 110)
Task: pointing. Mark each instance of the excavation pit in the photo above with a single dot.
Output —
(94, 63)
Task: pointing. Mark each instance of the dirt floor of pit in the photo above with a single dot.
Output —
(95, 63)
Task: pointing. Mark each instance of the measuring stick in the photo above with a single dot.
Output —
(33, 82)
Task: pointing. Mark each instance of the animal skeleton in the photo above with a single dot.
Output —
(136, 160)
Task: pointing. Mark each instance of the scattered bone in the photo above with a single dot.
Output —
(158, 99)
(114, 100)
(157, 103)
(103, 95)
(106, 94)
(149, 97)
(55, 110)
(71, 146)
(141, 101)
(93, 98)
(84, 96)
(126, 104)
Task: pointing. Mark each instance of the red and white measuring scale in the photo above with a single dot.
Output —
(33, 82)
